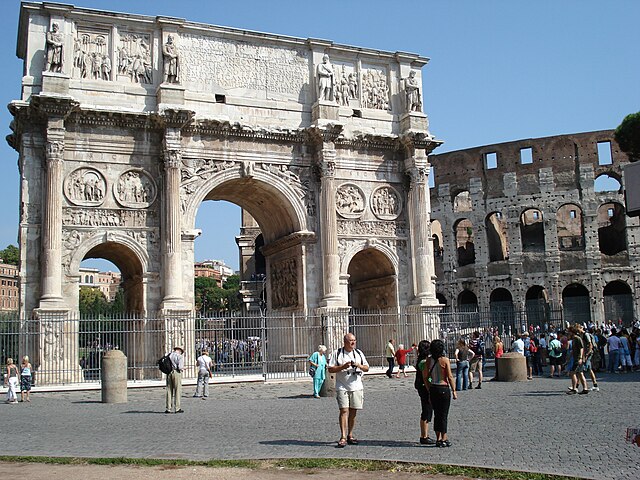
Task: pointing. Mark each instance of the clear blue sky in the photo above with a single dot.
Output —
(499, 71)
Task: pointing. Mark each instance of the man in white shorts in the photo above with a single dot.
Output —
(349, 364)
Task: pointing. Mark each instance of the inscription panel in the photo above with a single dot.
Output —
(213, 62)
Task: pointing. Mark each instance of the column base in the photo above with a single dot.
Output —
(169, 95)
(55, 83)
(325, 112)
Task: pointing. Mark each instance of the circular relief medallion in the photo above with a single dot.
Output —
(86, 187)
(350, 201)
(135, 188)
(386, 203)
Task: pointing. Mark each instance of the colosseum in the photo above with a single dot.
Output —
(536, 226)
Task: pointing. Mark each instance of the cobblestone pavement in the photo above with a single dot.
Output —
(530, 426)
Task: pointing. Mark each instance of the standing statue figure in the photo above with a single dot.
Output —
(55, 40)
(325, 79)
(412, 93)
(171, 61)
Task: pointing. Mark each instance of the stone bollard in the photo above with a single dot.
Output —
(328, 388)
(114, 377)
(511, 367)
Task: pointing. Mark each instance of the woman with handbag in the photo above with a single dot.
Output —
(427, 410)
(317, 369)
(437, 375)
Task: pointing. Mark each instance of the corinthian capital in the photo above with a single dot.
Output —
(418, 175)
(172, 158)
(54, 151)
(328, 168)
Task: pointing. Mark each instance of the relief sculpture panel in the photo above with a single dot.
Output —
(134, 57)
(350, 201)
(135, 189)
(91, 57)
(375, 88)
(386, 203)
(212, 62)
(86, 187)
(284, 284)
(101, 217)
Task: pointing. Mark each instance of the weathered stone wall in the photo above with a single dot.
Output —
(550, 211)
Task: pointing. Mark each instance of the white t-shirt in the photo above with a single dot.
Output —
(350, 379)
(204, 363)
(518, 346)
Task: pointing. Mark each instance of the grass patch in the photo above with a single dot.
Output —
(300, 464)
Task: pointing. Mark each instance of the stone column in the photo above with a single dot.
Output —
(419, 217)
(172, 252)
(328, 227)
(51, 262)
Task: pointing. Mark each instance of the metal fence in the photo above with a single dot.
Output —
(69, 350)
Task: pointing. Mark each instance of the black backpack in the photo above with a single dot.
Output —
(165, 364)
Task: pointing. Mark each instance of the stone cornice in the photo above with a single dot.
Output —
(100, 118)
(53, 106)
(411, 142)
(174, 118)
(227, 129)
(289, 241)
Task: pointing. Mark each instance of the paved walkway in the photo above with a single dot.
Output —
(531, 426)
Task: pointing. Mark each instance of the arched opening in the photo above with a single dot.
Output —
(532, 230)
(570, 227)
(436, 235)
(463, 230)
(124, 280)
(537, 306)
(267, 215)
(467, 301)
(576, 305)
(607, 183)
(442, 300)
(462, 202)
(501, 307)
(372, 281)
(611, 228)
(497, 239)
(618, 303)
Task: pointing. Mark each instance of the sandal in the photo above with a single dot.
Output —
(342, 443)
(352, 441)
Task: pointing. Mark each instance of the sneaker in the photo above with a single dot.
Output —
(584, 391)
(427, 441)
(596, 388)
(571, 391)
(167, 411)
(180, 411)
(479, 386)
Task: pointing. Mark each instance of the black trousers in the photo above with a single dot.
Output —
(441, 401)
(425, 401)
(392, 362)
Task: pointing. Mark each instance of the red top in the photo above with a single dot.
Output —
(401, 356)
(500, 351)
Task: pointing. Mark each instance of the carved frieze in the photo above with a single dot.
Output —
(134, 57)
(53, 346)
(371, 228)
(85, 187)
(101, 217)
(135, 189)
(284, 283)
(386, 203)
(345, 83)
(145, 238)
(91, 55)
(375, 88)
(350, 201)
(227, 64)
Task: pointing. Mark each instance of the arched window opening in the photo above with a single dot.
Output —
(576, 307)
(532, 230)
(537, 307)
(436, 235)
(618, 303)
(464, 242)
(497, 239)
(611, 228)
(607, 183)
(462, 202)
(570, 227)
(502, 310)
(467, 301)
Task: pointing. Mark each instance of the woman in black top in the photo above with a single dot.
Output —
(439, 378)
(427, 410)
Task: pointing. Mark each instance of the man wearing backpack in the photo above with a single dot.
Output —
(590, 347)
(476, 345)
(174, 381)
(555, 354)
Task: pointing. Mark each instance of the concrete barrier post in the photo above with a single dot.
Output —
(329, 386)
(511, 367)
(114, 377)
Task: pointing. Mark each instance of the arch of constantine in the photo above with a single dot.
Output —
(127, 124)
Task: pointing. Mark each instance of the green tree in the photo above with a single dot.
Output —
(210, 297)
(628, 136)
(10, 255)
(92, 301)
